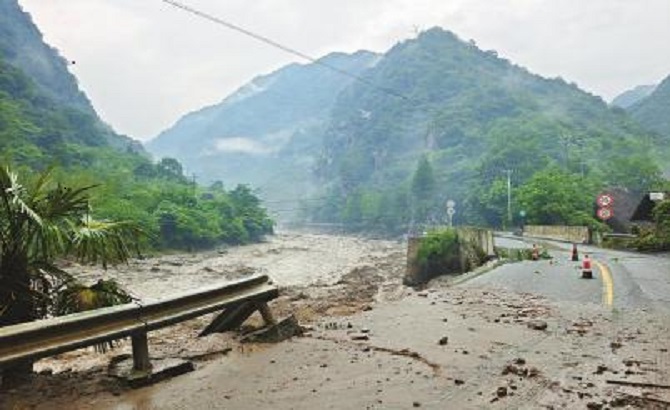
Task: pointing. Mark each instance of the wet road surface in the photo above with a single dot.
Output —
(622, 280)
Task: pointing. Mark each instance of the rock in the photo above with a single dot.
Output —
(520, 361)
(601, 369)
(594, 406)
(501, 392)
(360, 336)
(443, 341)
(537, 325)
(283, 330)
(458, 382)
(416, 404)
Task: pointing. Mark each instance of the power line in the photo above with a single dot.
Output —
(280, 46)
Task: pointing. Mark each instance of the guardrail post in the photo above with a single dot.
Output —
(141, 361)
(268, 318)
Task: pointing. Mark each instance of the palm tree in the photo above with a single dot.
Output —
(40, 222)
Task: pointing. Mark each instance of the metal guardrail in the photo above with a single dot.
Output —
(620, 235)
(43, 338)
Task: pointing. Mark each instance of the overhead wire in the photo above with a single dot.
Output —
(276, 44)
(287, 49)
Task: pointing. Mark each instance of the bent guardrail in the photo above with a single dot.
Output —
(43, 338)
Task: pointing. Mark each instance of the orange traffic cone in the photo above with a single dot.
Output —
(587, 273)
(575, 254)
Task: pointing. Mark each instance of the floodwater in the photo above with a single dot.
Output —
(290, 259)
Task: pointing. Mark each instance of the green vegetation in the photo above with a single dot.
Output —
(36, 132)
(555, 197)
(472, 116)
(440, 248)
(40, 221)
(444, 251)
(652, 111)
(521, 254)
(656, 238)
(45, 121)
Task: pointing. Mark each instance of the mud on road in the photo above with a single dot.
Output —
(371, 342)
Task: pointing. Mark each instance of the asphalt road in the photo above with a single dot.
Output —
(622, 280)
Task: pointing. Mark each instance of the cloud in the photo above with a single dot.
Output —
(144, 63)
(241, 145)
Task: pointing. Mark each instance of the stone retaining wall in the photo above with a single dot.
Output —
(575, 234)
(475, 246)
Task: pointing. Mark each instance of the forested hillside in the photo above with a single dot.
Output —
(653, 112)
(46, 121)
(475, 118)
(631, 97)
(268, 133)
(434, 118)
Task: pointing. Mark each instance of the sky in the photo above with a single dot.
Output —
(145, 63)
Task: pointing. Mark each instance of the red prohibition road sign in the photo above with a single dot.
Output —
(605, 213)
(605, 200)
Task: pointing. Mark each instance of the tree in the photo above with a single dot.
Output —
(170, 168)
(423, 190)
(554, 197)
(39, 222)
(423, 181)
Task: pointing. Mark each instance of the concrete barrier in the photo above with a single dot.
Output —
(574, 234)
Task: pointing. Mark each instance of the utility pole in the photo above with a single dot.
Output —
(509, 195)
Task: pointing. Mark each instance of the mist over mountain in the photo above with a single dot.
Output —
(653, 112)
(466, 115)
(631, 97)
(268, 133)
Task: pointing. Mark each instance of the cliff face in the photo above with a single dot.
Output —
(44, 117)
(22, 45)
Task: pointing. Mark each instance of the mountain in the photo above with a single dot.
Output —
(22, 45)
(653, 112)
(350, 148)
(36, 75)
(474, 115)
(631, 97)
(45, 120)
(266, 134)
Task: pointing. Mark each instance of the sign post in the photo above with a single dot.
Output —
(450, 212)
